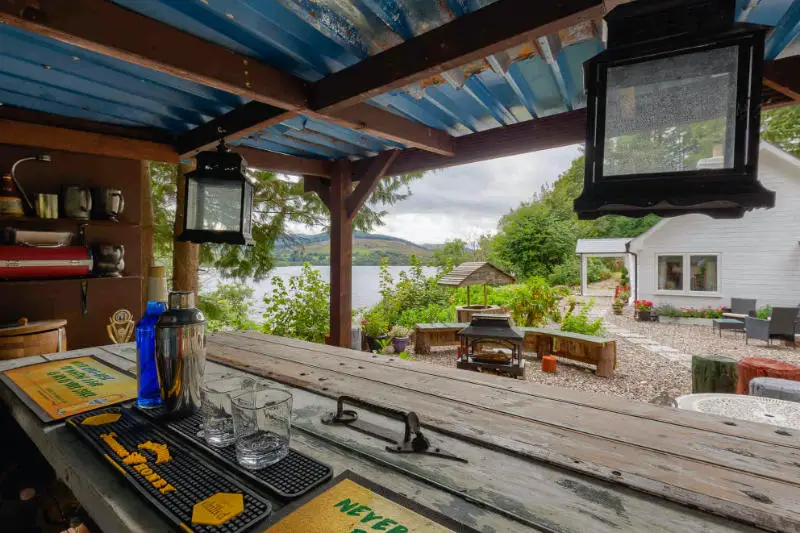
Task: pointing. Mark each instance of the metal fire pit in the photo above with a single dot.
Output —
(491, 343)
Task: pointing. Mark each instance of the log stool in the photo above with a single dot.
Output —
(781, 389)
(713, 373)
(757, 367)
(548, 363)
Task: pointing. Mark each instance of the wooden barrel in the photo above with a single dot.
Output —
(760, 367)
(464, 313)
(33, 338)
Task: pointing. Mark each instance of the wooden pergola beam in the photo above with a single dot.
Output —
(55, 138)
(783, 75)
(539, 134)
(285, 164)
(111, 30)
(494, 28)
(368, 181)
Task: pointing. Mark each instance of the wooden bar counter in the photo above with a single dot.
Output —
(539, 458)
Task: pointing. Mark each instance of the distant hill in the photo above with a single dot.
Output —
(368, 249)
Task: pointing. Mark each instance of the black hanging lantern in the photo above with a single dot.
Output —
(674, 113)
(219, 199)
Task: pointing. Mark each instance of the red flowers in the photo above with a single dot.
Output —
(643, 305)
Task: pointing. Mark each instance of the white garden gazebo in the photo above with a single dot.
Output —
(587, 248)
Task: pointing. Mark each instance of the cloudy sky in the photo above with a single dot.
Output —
(467, 201)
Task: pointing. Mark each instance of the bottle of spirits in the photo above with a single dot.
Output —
(10, 201)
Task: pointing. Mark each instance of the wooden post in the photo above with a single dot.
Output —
(713, 373)
(147, 232)
(584, 275)
(341, 255)
(185, 255)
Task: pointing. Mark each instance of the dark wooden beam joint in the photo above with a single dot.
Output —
(368, 181)
(783, 75)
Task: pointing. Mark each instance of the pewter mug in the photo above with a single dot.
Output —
(181, 354)
(108, 203)
(77, 202)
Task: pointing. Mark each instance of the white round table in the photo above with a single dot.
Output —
(750, 408)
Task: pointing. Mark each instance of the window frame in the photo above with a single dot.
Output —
(686, 275)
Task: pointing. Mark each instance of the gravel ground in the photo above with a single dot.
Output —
(641, 374)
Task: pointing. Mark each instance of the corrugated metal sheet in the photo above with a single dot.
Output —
(602, 246)
(311, 39)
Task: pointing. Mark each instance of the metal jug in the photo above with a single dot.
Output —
(180, 354)
(77, 202)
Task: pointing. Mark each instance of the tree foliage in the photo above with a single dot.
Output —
(227, 307)
(781, 127)
(299, 307)
(539, 237)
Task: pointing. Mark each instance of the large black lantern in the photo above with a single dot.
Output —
(674, 113)
(219, 199)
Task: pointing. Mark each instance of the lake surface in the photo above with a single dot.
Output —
(365, 283)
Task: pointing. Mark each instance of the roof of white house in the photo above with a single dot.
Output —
(602, 246)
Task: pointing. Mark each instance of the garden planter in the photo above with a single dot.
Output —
(399, 344)
(685, 321)
(617, 311)
(372, 342)
(645, 316)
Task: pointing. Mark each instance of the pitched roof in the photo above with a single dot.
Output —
(477, 273)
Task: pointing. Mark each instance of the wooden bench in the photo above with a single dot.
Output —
(596, 351)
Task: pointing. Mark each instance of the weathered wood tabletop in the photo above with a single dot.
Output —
(540, 458)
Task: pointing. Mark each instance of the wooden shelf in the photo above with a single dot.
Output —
(64, 222)
(9, 282)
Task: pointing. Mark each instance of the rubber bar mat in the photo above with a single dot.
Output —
(171, 476)
(289, 478)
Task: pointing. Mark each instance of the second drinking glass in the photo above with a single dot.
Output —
(217, 410)
(262, 423)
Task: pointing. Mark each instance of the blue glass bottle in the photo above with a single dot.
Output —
(148, 395)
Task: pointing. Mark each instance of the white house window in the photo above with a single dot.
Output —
(688, 273)
(703, 274)
(670, 272)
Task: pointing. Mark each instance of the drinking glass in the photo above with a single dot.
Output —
(262, 423)
(217, 409)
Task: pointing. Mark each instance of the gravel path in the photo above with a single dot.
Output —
(653, 359)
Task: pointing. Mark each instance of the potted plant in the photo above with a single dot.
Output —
(374, 325)
(618, 306)
(399, 335)
(624, 296)
(643, 309)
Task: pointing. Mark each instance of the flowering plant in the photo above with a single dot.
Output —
(643, 305)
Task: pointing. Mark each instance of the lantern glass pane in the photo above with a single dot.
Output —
(213, 205)
(672, 114)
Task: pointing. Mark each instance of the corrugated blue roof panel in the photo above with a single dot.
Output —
(311, 39)
(46, 75)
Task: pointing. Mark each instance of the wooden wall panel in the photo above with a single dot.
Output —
(39, 300)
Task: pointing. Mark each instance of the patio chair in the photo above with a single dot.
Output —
(743, 306)
(781, 326)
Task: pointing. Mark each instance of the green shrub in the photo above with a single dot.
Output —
(764, 312)
(298, 308)
(689, 312)
(374, 322)
(399, 331)
(426, 315)
(412, 290)
(597, 270)
(568, 273)
(625, 280)
(534, 302)
(226, 308)
(580, 322)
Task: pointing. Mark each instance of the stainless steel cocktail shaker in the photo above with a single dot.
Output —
(180, 354)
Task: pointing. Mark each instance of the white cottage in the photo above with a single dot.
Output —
(697, 261)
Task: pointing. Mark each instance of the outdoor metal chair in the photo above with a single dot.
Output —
(743, 306)
(781, 326)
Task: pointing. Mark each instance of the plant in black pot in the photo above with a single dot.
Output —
(399, 335)
(374, 325)
(644, 308)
